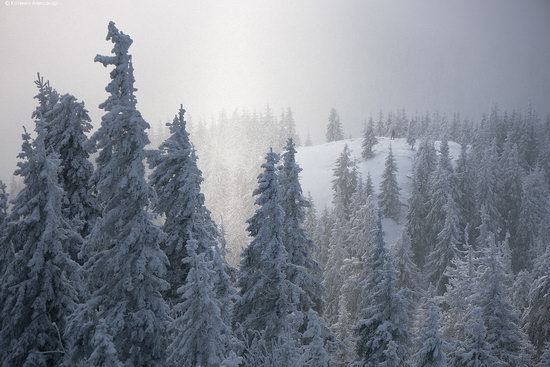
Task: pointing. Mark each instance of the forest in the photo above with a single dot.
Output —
(196, 243)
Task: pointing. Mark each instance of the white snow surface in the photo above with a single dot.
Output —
(317, 162)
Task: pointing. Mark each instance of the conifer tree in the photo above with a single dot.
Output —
(345, 180)
(315, 354)
(381, 331)
(177, 180)
(544, 360)
(305, 271)
(424, 165)
(474, 350)
(333, 277)
(126, 266)
(389, 189)
(535, 207)
(37, 292)
(311, 221)
(334, 128)
(535, 318)
(369, 140)
(510, 344)
(200, 335)
(408, 276)
(446, 246)
(431, 352)
(67, 125)
(265, 291)
(369, 186)
(322, 237)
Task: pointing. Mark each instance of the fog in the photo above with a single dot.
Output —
(356, 56)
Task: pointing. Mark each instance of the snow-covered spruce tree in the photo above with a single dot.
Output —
(333, 277)
(535, 205)
(424, 165)
(412, 133)
(431, 350)
(345, 180)
(510, 344)
(322, 237)
(369, 186)
(389, 189)
(441, 184)
(474, 350)
(382, 329)
(305, 272)
(486, 185)
(37, 293)
(520, 290)
(288, 128)
(334, 127)
(265, 291)
(509, 189)
(311, 221)
(408, 276)
(369, 140)
(364, 216)
(446, 246)
(200, 335)
(67, 125)
(535, 318)
(126, 265)
(177, 180)
(315, 354)
(464, 188)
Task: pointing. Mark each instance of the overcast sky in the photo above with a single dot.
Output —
(356, 56)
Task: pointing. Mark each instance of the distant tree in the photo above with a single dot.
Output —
(322, 237)
(345, 180)
(334, 128)
(369, 140)
(389, 189)
(412, 133)
(424, 165)
(431, 352)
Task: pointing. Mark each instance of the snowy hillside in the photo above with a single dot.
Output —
(317, 163)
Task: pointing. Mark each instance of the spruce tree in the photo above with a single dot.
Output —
(474, 350)
(38, 290)
(535, 318)
(265, 291)
(315, 354)
(381, 331)
(431, 352)
(369, 140)
(446, 246)
(200, 335)
(345, 180)
(334, 127)
(126, 266)
(389, 189)
(177, 180)
(510, 344)
(418, 227)
(305, 271)
(67, 126)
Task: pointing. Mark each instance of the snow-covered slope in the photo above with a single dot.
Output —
(317, 163)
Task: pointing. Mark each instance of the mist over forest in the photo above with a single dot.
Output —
(275, 184)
